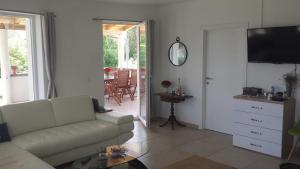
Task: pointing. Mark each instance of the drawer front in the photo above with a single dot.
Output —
(258, 133)
(268, 122)
(271, 109)
(257, 145)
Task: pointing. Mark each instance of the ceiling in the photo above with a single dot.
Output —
(118, 27)
(153, 2)
(115, 30)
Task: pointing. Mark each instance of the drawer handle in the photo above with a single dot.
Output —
(256, 107)
(255, 145)
(256, 132)
(255, 120)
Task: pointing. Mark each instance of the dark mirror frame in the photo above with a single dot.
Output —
(186, 51)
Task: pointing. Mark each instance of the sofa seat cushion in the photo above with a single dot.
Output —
(115, 117)
(13, 157)
(48, 142)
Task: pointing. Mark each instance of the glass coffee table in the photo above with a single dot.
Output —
(115, 155)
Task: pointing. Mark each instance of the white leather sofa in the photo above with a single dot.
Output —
(48, 133)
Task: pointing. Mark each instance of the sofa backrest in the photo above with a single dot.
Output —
(25, 117)
(1, 121)
(74, 109)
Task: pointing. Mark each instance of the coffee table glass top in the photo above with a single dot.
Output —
(114, 155)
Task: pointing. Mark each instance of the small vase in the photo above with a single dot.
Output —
(167, 90)
(106, 75)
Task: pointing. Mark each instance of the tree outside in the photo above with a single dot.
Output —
(131, 35)
(18, 59)
(110, 47)
(17, 50)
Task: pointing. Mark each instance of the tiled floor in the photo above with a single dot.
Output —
(127, 107)
(169, 146)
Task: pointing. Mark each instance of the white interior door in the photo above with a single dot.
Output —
(144, 53)
(225, 75)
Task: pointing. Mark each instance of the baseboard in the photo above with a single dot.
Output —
(190, 125)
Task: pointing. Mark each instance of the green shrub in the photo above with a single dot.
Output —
(17, 58)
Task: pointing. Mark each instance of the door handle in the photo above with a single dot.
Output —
(209, 78)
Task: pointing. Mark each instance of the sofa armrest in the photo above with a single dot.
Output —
(114, 117)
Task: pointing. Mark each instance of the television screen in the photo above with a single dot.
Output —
(274, 45)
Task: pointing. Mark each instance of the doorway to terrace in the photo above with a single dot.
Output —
(125, 67)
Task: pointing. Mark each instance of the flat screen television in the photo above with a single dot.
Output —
(274, 45)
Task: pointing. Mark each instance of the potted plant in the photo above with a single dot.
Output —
(106, 71)
(166, 84)
(14, 70)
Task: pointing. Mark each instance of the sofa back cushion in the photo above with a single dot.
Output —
(25, 117)
(74, 109)
(1, 121)
(4, 134)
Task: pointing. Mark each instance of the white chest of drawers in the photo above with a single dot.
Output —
(261, 125)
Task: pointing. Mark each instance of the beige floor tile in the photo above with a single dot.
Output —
(164, 158)
(201, 148)
(151, 163)
(219, 138)
(265, 162)
(127, 107)
(158, 145)
(236, 157)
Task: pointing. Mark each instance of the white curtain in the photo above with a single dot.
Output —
(50, 52)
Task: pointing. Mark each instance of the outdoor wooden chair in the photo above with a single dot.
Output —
(120, 85)
(132, 83)
(122, 82)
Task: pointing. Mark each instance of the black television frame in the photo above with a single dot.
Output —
(298, 62)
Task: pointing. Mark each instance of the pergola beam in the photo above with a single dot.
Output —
(12, 23)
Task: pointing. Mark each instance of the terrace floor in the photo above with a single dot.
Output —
(127, 107)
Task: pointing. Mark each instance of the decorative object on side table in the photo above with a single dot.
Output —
(166, 84)
(178, 89)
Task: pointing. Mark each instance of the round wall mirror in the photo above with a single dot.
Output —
(178, 53)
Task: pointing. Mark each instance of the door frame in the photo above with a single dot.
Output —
(35, 92)
(204, 31)
(149, 59)
(149, 35)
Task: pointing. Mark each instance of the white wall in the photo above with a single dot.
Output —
(186, 20)
(276, 13)
(78, 40)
